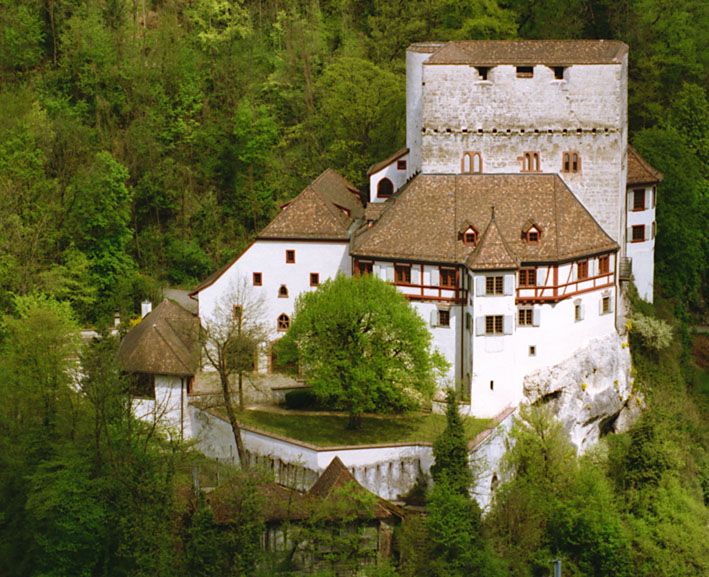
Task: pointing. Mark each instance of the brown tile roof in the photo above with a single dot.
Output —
(324, 210)
(639, 171)
(166, 342)
(530, 52)
(316, 213)
(387, 161)
(425, 47)
(423, 221)
(492, 252)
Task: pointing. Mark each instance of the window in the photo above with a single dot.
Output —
(258, 279)
(400, 165)
(604, 264)
(533, 235)
(638, 199)
(638, 233)
(472, 163)
(528, 277)
(525, 71)
(493, 325)
(314, 279)
(444, 318)
(605, 305)
(402, 274)
(448, 279)
(483, 71)
(142, 385)
(470, 236)
(578, 312)
(559, 72)
(582, 269)
(385, 188)
(283, 292)
(290, 257)
(532, 351)
(530, 162)
(237, 311)
(525, 318)
(283, 322)
(363, 268)
(492, 385)
(494, 285)
(571, 162)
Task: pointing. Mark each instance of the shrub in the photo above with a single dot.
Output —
(655, 334)
(301, 399)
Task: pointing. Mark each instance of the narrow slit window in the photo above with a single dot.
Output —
(257, 279)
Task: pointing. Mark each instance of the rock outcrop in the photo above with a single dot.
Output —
(591, 393)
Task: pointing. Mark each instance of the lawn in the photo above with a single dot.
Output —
(331, 430)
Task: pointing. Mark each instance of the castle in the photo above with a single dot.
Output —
(511, 220)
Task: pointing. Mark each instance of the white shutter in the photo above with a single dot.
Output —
(600, 307)
(377, 270)
(435, 277)
(507, 324)
(648, 198)
(479, 286)
(536, 313)
(629, 237)
(631, 196)
(582, 311)
(592, 267)
(389, 271)
(480, 326)
(434, 318)
(415, 274)
(509, 283)
(610, 304)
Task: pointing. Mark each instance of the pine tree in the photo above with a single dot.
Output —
(450, 452)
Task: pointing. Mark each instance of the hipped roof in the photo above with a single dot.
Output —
(530, 52)
(423, 221)
(640, 171)
(166, 342)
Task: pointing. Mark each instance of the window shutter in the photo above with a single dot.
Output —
(582, 310)
(536, 313)
(415, 274)
(435, 277)
(631, 197)
(610, 304)
(480, 326)
(592, 266)
(479, 286)
(629, 237)
(507, 324)
(648, 199)
(509, 282)
(390, 273)
(377, 270)
(434, 318)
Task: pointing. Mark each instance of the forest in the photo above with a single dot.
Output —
(144, 143)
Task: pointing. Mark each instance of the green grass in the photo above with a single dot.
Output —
(331, 430)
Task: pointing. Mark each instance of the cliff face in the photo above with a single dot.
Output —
(591, 393)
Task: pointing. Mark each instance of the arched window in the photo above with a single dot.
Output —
(472, 163)
(385, 188)
(283, 292)
(283, 322)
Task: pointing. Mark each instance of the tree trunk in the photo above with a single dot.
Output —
(241, 391)
(235, 428)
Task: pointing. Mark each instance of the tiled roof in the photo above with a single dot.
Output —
(324, 210)
(423, 221)
(492, 252)
(387, 161)
(639, 171)
(530, 52)
(166, 342)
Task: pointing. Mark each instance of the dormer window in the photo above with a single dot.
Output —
(531, 233)
(469, 236)
(472, 163)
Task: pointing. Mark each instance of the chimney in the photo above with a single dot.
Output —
(145, 308)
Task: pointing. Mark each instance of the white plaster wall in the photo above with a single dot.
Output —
(268, 257)
(505, 360)
(642, 253)
(414, 106)
(445, 339)
(169, 408)
(397, 176)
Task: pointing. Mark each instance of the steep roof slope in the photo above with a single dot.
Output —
(492, 251)
(639, 171)
(530, 52)
(166, 342)
(424, 220)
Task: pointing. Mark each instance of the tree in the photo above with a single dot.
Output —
(450, 451)
(231, 336)
(362, 347)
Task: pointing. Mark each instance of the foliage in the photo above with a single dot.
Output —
(300, 399)
(450, 452)
(655, 334)
(362, 347)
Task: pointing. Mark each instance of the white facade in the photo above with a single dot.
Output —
(396, 172)
(269, 259)
(169, 407)
(640, 246)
